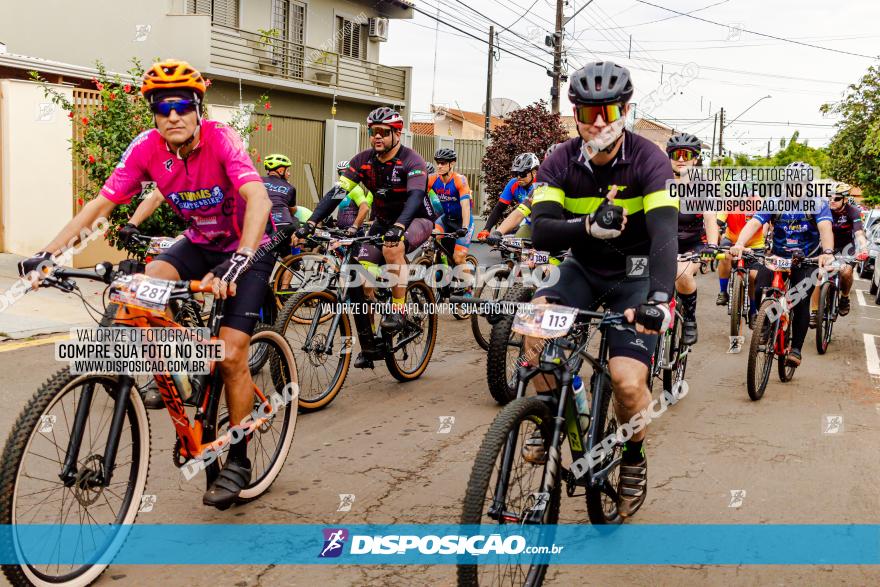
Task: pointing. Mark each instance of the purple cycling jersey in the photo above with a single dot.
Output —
(203, 188)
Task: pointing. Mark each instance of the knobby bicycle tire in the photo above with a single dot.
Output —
(429, 334)
(737, 303)
(824, 315)
(764, 334)
(498, 367)
(606, 418)
(474, 503)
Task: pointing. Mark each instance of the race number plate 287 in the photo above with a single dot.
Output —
(142, 291)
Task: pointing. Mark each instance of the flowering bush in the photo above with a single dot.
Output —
(105, 131)
(529, 129)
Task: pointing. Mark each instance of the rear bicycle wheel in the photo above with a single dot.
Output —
(31, 491)
(824, 317)
(679, 355)
(523, 498)
(505, 349)
(269, 443)
(321, 374)
(737, 303)
(408, 362)
(761, 349)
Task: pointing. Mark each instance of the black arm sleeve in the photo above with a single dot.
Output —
(495, 215)
(663, 258)
(414, 203)
(551, 231)
(327, 204)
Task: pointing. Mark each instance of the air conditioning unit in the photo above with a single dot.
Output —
(378, 29)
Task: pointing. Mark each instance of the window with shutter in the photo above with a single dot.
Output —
(288, 17)
(350, 35)
(223, 12)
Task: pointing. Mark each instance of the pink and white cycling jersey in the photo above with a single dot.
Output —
(203, 188)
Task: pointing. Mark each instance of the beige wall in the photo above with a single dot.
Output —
(81, 32)
(35, 204)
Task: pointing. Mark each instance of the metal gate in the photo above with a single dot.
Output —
(302, 141)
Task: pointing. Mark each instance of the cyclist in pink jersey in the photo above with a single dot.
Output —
(205, 174)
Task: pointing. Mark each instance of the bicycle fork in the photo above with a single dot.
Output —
(69, 472)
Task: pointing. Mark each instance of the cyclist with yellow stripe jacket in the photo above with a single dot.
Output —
(604, 194)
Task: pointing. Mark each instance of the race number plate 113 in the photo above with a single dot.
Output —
(544, 320)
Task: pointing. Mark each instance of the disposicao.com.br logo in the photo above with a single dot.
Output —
(451, 544)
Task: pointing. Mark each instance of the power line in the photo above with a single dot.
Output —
(793, 41)
(629, 26)
(484, 41)
(496, 23)
(524, 14)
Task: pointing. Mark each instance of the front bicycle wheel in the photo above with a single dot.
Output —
(737, 302)
(505, 349)
(786, 371)
(602, 499)
(323, 358)
(517, 498)
(303, 271)
(491, 290)
(465, 313)
(80, 519)
(824, 318)
(269, 444)
(413, 345)
(761, 349)
(678, 355)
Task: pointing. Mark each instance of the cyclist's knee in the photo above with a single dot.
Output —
(629, 381)
(235, 344)
(162, 270)
(459, 256)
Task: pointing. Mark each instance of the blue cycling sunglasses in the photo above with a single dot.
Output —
(180, 106)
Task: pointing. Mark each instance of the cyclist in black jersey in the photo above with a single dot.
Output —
(684, 152)
(604, 194)
(397, 177)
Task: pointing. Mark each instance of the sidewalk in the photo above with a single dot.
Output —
(45, 311)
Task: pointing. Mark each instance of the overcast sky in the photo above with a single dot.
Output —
(744, 66)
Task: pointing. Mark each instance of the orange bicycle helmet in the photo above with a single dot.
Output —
(172, 74)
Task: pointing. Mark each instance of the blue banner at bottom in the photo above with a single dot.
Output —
(400, 544)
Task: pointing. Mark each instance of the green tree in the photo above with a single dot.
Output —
(529, 129)
(854, 150)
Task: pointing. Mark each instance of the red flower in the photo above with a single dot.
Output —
(112, 95)
(79, 201)
(85, 120)
(99, 85)
(207, 83)
(104, 108)
(256, 127)
(267, 105)
(258, 158)
(269, 127)
(127, 88)
(91, 159)
(70, 115)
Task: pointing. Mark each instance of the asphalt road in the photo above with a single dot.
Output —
(379, 441)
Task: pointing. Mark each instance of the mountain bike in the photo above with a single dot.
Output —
(318, 325)
(435, 253)
(669, 361)
(739, 306)
(79, 452)
(829, 299)
(505, 488)
(772, 333)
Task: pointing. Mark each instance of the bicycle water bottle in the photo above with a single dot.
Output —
(580, 400)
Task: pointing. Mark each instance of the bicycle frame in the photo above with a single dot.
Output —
(190, 435)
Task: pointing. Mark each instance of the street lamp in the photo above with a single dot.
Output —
(747, 109)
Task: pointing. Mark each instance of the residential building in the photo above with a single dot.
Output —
(318, 60)
(461, 124)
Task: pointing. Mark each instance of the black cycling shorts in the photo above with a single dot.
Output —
(584, 290)
(240, 312)
(418, 232)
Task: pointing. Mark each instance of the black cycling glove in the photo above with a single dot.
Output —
(606, 222)
(127, 234)
(394, 234)
(305, 230)
(654, 316)
(461, 232)
(25, 266)
(495, 238)
(230, 270)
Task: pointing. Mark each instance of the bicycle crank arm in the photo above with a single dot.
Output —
(601, 477)
(405, 341)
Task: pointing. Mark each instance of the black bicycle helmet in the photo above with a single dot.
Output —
(445, 154)
(525, 162)
(684, 141)
(387, 116)
(600, 83)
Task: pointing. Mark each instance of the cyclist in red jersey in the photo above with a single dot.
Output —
(203, 170)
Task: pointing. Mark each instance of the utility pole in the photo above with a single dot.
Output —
(557, 57)
(489, 84)
(721, 135)
(714, 124)
(768, 149)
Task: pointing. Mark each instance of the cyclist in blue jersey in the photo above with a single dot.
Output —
(525, 167)
(793, 234)
(454, 194)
